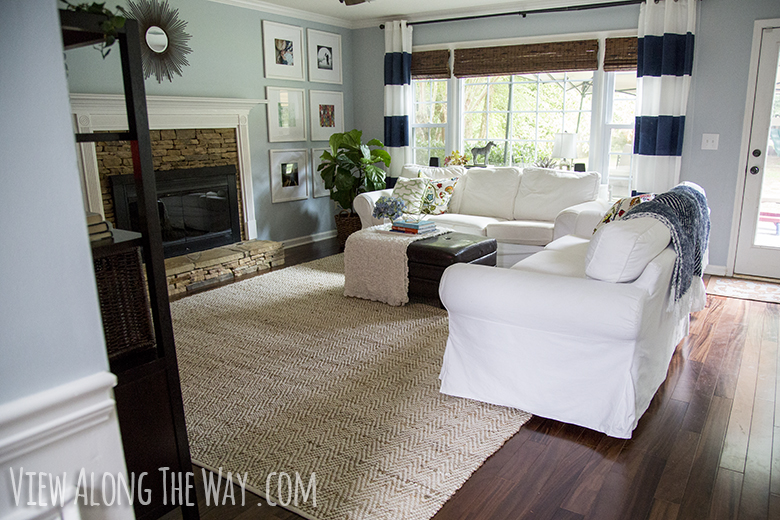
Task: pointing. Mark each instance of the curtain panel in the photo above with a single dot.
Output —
(664, 65)
(398, 94)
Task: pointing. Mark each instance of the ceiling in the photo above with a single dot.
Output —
(375, 11)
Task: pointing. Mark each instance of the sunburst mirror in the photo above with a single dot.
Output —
(163, 40)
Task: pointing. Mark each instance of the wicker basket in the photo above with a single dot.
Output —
(124, 305)
(346, 224)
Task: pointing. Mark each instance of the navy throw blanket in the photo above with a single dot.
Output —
(683, 210)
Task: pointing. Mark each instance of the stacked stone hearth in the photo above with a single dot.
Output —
(197, 271)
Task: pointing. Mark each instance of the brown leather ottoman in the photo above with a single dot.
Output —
(428, 258)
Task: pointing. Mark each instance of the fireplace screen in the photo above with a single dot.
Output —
(198, 208)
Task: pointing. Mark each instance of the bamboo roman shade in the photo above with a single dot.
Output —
(431, 64)
(527, 59)
(620, 54)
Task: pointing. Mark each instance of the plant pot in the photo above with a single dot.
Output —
(346, 224)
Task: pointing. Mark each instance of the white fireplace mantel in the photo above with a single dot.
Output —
(104, 112)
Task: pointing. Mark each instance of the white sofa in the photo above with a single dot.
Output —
(581, 332)
(523, 209)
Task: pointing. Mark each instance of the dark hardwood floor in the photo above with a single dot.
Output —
(707, 448)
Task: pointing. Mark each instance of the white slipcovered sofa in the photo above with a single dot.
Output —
(581, 332)
(523, 209)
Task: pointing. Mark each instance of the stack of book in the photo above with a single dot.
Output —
(414, 228)
(98, 227)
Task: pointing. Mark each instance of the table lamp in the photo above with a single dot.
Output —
(565, 147)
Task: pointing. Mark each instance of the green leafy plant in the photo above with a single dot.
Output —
(348, 168)
(110, 26)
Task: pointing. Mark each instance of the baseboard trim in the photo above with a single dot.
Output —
(309, 239)
(715, 270)
(30, 423)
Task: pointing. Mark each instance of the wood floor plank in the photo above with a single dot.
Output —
(729, 371)
(774, 507)
(728, 489)
(678, 467)
(754, 502)
(698, 493)
(774, 485)
(735, 444)
(583, 493)
(662, 510)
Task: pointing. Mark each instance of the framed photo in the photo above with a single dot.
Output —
(324, 56)
(286, 114)
(318, 184)
(326, 110)
(289, 175)
(283, 51)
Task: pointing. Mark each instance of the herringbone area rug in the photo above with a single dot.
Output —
(282, 373)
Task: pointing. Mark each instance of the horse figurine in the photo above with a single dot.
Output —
(485, 150)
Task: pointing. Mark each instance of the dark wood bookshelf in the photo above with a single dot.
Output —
(130, 274)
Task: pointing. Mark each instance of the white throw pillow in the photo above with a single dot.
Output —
(411, 171)
(620, 250)
(544, 193)
(490, 192)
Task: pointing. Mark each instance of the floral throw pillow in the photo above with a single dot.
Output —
(620, 207)
(411, 191)
(437, 197)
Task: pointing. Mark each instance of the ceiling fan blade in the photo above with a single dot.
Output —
(352, 2)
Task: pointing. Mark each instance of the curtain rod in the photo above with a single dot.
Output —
(585, 7)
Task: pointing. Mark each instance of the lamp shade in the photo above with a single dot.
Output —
(565, 146)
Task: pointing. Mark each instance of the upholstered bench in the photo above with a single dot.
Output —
(428, 258)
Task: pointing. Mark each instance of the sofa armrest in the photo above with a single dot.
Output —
(580, 219)
(364, 206)
(538, 301)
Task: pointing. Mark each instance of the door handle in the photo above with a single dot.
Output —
(754, 170)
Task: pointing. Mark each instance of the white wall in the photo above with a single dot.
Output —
(50, 329)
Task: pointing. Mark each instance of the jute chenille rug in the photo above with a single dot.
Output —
(283, 374)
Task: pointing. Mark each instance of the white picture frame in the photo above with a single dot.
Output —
(289, 173)
(326, 113)
(324, 56)
(286, 114)
(318, 185)
(283, 51)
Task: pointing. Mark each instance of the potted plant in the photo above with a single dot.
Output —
(349, 169)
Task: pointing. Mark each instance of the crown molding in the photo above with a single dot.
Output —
(266, 7)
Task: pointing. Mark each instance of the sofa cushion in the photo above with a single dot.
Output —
(411, 191)
(620, 251)
(437, 197)
(412, 171)
(490, 192)
(544, 193)
(473, 224)
(530, 232)
(556, 262)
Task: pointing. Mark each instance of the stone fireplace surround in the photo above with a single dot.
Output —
(107, 112)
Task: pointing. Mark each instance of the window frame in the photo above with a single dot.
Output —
(413, 125)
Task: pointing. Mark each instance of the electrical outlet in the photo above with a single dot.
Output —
(709, 141)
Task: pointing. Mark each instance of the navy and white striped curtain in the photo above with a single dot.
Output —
(664, 64)
(398, 94)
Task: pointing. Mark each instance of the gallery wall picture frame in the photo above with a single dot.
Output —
(289, 175)
(283, 51)
(318, 185)
(286, 114)
(326, 112)
(324, 56)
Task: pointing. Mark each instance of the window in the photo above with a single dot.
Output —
(429, 128)
(522, 113)
(619, 131)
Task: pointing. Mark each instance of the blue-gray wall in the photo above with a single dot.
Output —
(50, 331)
(718, 90)
(227, 61)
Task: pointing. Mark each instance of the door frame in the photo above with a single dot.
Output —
(744, 149)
